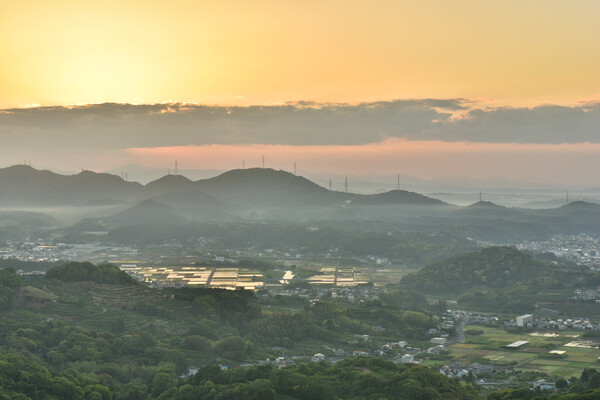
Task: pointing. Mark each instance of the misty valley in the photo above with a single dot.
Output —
(261, 284)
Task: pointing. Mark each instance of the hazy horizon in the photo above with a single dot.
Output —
(480, 90)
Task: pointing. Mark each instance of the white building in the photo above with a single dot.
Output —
(407, 358)
(522, 320)
(439, 340)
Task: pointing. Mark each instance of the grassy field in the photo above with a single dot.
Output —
(489, 348)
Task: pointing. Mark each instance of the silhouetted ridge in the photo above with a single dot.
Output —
(24, 185)
(253, 176)
(487, 209)
(397, 197)
(169, 184)
(580, 205)
(265, 187)
(170, 180)
(485, 204)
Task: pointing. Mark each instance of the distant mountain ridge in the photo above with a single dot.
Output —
(263, 194)
(24, 185)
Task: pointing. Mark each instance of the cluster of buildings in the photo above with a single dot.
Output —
(470, 318)
(528, 321)
(356, 293)
(582, 248)
(41, 251)
(588, 295)
(522, 321)
(457, 368)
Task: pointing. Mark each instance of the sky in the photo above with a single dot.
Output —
(429, 88)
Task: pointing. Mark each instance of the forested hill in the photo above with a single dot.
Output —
(493, 267)
(88, 272)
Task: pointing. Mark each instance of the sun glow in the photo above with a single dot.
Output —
(235, 52)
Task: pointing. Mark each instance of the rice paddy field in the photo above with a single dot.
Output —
(489, 348)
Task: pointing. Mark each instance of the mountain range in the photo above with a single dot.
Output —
(23, 185)
(262, 194)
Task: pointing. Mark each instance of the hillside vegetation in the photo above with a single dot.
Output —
(501, 279)
(493, 267)
(85, 271)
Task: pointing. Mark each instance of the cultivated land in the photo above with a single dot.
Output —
(489, 348)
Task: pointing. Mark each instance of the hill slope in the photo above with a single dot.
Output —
(147, 212)
(24, 185)
(493, 267)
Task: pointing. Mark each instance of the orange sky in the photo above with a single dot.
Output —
(265, 52)
(541, 163)
(515, 53)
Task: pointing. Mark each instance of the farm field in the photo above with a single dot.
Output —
(489, 348)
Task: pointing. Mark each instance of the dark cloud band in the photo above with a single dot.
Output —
(116, 126)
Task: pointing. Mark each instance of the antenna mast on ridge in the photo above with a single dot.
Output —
(398, 185)
(175, 167)
(346, 185)
(330, 186)
(263, 161)
(294, 168)
(567, 197)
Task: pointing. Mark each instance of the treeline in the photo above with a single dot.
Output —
(86, 271)
(405, 247)
(364, 378)
(359, 378)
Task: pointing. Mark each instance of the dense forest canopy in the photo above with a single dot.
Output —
(492, 267)
(85, 271)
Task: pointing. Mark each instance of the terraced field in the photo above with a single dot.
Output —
(99, 306)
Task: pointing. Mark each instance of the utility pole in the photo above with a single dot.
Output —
(398, 185)
(294, 168)
(263, 161)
